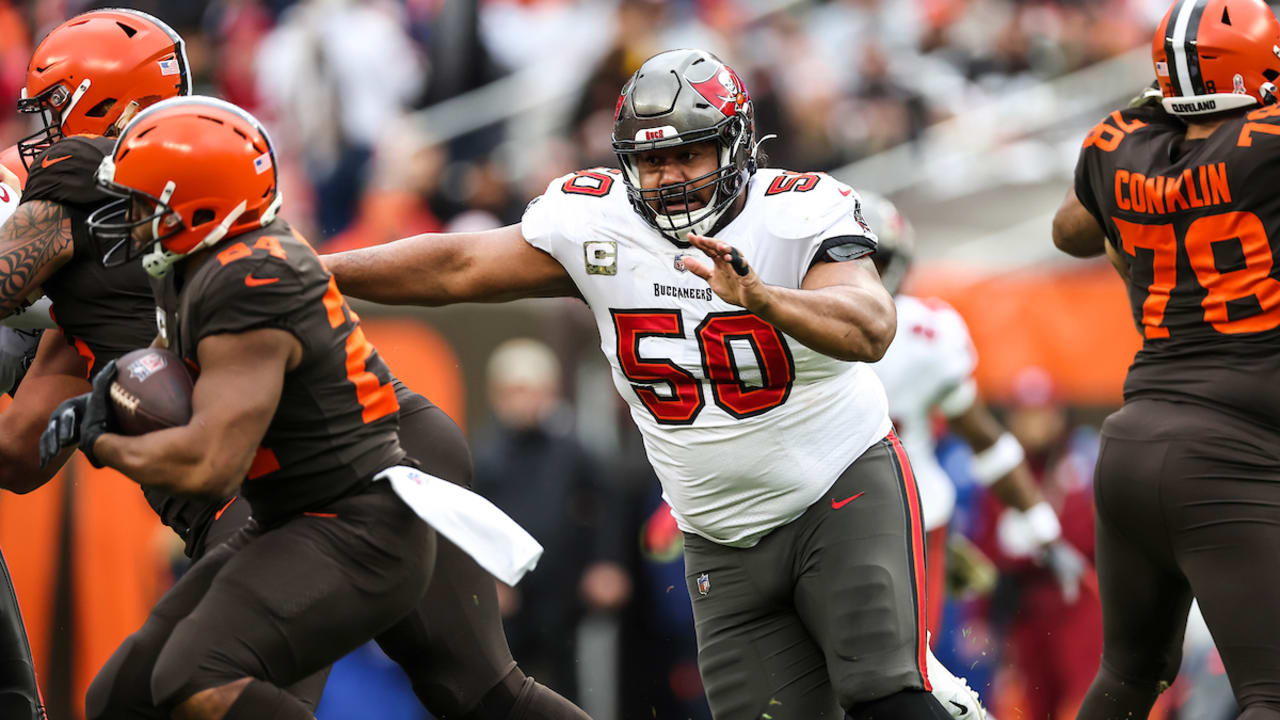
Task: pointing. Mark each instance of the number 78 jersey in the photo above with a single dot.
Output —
(744, 426)
(1199, 223)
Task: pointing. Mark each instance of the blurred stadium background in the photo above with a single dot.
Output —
(395, 117)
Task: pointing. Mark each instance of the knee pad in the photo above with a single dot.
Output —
(902, 705)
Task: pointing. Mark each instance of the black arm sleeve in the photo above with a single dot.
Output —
(843, 248)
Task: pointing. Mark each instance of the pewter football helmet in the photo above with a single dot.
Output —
(896, 239)
(681, 97)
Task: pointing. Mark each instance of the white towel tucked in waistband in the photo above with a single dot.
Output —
(495, 541)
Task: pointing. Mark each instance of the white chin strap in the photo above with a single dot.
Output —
(65, 112)
(160, 261)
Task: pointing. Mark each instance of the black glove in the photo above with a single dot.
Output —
(81, 419)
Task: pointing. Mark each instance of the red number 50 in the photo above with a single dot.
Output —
(684, 398)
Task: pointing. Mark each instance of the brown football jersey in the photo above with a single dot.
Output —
(1199, 222)
(336, 424)
(104, 312)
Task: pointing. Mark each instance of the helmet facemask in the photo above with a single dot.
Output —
(51, 105)
(115, 227)
(666, 207)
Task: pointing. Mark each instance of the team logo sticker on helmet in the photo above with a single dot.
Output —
(723, 90)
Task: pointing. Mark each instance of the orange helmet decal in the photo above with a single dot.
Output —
(1216, 55)
(191, 171)
(86, 73)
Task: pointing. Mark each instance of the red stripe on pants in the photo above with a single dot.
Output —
(936, 571)
(917, 554)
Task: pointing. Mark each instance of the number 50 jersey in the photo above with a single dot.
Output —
(744, 426)
(1199, 223)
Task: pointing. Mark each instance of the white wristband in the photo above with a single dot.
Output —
(1043, 522)
(998, 460)
(1024, 534)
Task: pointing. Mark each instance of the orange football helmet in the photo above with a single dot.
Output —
(85, 73)
(190, 171)
(1215, 55)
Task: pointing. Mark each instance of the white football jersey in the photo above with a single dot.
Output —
(931, 356)
(744, 426)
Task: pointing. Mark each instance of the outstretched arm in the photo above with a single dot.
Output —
(1010, 479)
(445, 268)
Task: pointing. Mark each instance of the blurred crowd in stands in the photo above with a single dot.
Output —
(338, 82)
(342, 85)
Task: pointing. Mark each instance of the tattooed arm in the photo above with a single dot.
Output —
(34, 242)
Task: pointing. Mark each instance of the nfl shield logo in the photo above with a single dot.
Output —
(704, 584)
(679, 263)
(145, 366)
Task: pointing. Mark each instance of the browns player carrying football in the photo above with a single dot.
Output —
(1181, 196)
(458, 661)
(291, 401)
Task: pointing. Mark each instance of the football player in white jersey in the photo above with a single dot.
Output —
(736, 308)
(929, 368)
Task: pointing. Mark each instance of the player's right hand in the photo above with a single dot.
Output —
(80, 420)
(1068, 566)
(63, 430)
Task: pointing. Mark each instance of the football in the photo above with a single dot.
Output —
(152, 391)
